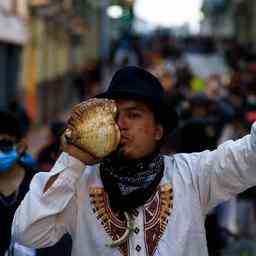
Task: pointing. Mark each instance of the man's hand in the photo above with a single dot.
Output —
(85, 157)
(75, 152)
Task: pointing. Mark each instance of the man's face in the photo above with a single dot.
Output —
(139, 130)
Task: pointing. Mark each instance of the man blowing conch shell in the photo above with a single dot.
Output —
(114, 192)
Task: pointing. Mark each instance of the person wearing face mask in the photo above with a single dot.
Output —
(134, 201)
(17, 168)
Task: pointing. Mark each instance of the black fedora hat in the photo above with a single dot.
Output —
(136, 83)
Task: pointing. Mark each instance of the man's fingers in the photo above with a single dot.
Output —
(78, 153)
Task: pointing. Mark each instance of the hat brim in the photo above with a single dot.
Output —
(165, 114)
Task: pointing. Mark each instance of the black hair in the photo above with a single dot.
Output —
(57, 128)
(9, 125)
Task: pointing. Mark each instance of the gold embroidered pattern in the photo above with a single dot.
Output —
(166, 197)
(156, 214)
(114, 224)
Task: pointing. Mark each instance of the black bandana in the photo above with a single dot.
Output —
(130, 184)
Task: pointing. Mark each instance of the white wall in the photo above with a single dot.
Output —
(13, 21)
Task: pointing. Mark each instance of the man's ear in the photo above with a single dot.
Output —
(22, 146)
(159, 132)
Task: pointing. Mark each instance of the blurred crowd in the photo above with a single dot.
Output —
(211, 85)
(216, 102)
(213, 88)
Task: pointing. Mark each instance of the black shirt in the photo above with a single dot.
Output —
(8, 206)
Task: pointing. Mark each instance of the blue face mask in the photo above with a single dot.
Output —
(8, 159)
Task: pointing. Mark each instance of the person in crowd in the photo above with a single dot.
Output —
(134, 201)
(197, 133)
(16, 171)
(19, 111)
(48, 155)
(46, 159)
(236, 217)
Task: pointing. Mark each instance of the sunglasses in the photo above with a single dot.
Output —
(6, 145)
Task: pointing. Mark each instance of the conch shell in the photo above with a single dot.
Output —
(92, 128)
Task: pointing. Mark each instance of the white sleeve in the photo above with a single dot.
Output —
(223, 173)
(44, 217)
